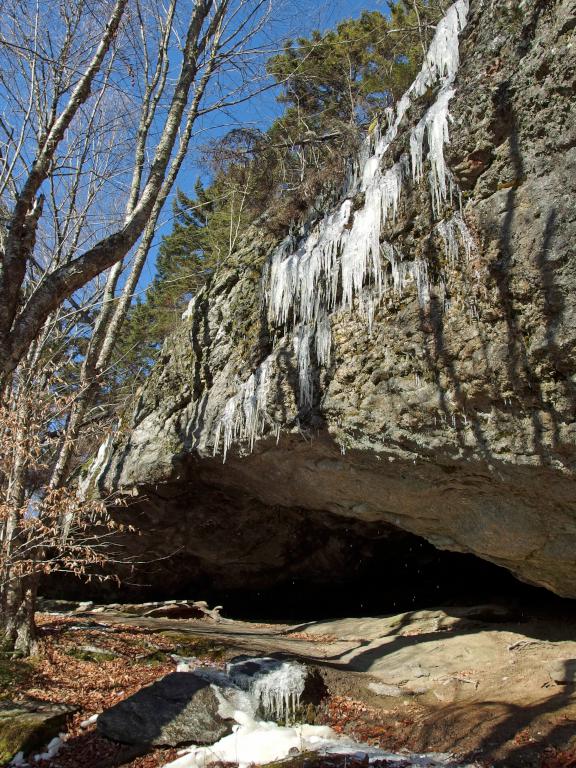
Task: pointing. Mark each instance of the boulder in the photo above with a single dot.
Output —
(30, 725)
(180, 708)
(282, 689)
(450, 416)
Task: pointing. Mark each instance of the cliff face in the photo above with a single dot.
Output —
(406, 361)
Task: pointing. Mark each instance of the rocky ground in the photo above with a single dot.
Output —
(484, 683)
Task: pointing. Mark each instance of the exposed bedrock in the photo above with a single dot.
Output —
(454, 418)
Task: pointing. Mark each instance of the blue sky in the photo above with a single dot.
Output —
(294, 18)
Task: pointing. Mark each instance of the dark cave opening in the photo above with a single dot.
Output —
(421, 577)
(293, 565)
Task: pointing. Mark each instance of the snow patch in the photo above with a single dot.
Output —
(89, 721)
(189, 311)
(52, 749)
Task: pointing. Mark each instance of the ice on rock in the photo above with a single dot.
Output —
(441, 64)
(420, 271)
(189, 311)
(299, 283)
(336, 265)
(279, 691)
(323, 339)
(275, 686)
(443, 56)
(245, 412)
(302, 335)
(449, 230)
(435, 123)
(343, 250)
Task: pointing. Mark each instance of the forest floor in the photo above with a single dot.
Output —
(481, 683)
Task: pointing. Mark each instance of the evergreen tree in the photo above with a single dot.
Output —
(333, 86)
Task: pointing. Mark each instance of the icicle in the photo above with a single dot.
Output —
(449, 229)
(343, 249)
(279, 692)
(420, 272)
(435, 123)
(442, 59)
(275, 686)
(244, 414)
(341, 255)
(302, 351)
(323, 339)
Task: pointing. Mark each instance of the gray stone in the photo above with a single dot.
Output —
(180, 708)
(407, 674)
(383, 689)
(29, 725)
(453, 421)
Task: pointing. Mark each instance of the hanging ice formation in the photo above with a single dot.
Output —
(245, 413)
(449, 230)
(338, 264)
(276, 687)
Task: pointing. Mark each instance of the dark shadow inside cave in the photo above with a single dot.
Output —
(417, 576)
(387, 577)
(288, 564)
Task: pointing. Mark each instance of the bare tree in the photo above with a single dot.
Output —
(100, 101)
(56, 85)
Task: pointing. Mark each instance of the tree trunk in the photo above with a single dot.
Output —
(17, 622)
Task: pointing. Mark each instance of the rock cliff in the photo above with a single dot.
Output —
(403, 363)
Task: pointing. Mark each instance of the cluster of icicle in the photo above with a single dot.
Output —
(341, 264)
(262, 684)
(279, 692)
(244, 414)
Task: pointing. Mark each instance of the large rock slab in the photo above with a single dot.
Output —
(180, 708)
(453, 419)
(28, 726)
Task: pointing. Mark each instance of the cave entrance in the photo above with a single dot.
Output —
(293, 565)
(417, 576)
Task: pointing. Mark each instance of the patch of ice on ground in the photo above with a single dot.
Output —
(52, 749)
(89, 721)
(259, 743)
(18, 761)
(251, 682)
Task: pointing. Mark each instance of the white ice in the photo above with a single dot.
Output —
(275, 686)
(259, 743)
(245, 412)
(251, 684)
(452, 231)
(189, 311)
(89, 721)
(337, 264)
(52, 749)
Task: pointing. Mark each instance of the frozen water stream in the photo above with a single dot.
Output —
(253, 685)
